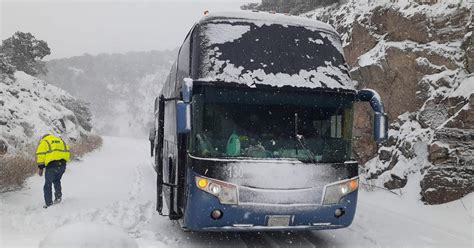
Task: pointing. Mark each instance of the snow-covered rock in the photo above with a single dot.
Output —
(30, 108)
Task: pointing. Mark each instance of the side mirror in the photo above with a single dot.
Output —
(151, 138)
(380, 127)
(183, 117)
(380, 117)
(187, 90)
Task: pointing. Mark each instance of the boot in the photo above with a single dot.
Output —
(57, 197)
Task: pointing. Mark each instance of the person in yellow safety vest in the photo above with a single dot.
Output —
(52, 154)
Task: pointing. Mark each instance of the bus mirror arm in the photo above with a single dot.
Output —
(380, 116)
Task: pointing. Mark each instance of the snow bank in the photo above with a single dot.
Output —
(386, 217)
(84, 234)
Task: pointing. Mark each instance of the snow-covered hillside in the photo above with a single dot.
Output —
(134, 111)
(117, 209)
(420, 59)
(120, 87)
(29, 108)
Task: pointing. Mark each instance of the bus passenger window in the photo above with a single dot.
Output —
(336, 126)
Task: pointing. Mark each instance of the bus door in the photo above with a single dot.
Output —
(159, 144)
(167, 182)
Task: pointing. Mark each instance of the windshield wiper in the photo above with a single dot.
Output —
(296, 132)
(300, 141)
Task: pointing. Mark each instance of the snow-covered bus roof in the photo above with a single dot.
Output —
(254, 48)
(265, 18)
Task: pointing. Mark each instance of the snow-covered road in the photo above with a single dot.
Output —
(116, 186)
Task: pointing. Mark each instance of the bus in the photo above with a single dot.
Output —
(253, 127)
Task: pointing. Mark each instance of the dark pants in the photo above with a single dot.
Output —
(53, 176)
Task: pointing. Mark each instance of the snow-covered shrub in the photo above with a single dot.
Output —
(6, 68)
(81, 111)
(15, 168)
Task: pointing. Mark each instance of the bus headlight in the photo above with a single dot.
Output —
(215, 188)
(334, 192)
(225, 192)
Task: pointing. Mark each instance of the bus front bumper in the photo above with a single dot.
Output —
(262, 217)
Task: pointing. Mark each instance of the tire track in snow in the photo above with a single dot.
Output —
(287, 239)
(359, 231)
(252, 239)
(318, 239)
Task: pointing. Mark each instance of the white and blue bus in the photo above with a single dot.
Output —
(253, 127)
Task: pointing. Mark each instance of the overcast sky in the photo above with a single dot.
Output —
(76, 27)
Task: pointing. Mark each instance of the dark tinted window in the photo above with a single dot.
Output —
(184, 60)
(308, 130)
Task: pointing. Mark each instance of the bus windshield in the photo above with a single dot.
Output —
(309, 129)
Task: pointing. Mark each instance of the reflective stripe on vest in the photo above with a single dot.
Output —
(53, 150)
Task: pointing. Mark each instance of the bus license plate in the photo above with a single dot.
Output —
(278, 220)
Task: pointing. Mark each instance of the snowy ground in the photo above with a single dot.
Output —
(115, 186)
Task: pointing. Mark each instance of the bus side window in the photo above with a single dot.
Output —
(336, 126)
(184, 61)
(157, 102)
(170, 170)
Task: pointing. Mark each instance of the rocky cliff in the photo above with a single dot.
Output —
(420, 59)
(29, 108)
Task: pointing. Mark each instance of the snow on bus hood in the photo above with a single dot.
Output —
(263, 53)
(273, 173)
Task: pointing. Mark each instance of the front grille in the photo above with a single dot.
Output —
(307, 196)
